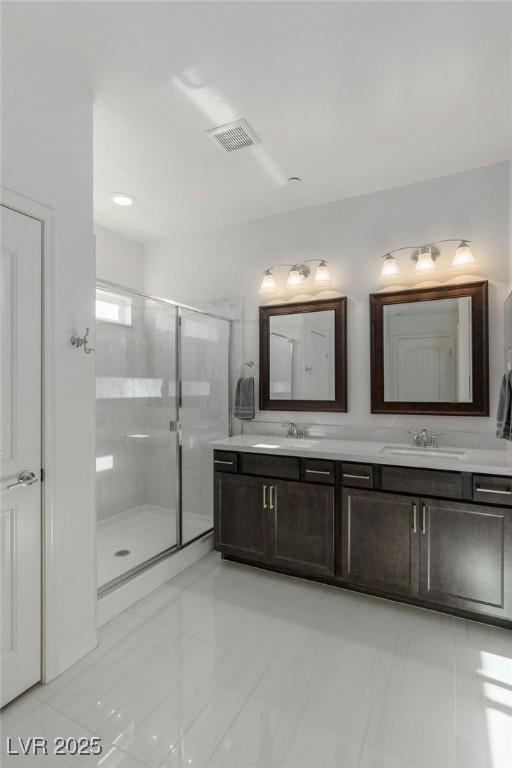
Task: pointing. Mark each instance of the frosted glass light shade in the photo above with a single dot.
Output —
(322, 274)
(425, 262)
(295, 277)
(268, 283)
(390, 267)
(463, 256)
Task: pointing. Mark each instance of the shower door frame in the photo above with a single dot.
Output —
(106, 285)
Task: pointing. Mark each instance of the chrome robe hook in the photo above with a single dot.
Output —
(81, 341)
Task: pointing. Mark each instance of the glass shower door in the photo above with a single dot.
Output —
(204, 366)
(137, 452)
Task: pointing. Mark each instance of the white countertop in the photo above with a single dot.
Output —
(473, 460)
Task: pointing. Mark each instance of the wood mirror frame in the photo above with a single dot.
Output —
(479, 406)
(339, 306)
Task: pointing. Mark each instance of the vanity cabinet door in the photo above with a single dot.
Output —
(240, 516)
(465, 556)
(380, 541)
(301, 528)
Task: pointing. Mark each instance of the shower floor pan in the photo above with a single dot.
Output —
(128, 539)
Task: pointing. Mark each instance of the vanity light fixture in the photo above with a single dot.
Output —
(322, 276)
(123, 199)
(268, 283)
(389, 268)
(297, 275)
(424, 260)
(425, 257)
(463, 256)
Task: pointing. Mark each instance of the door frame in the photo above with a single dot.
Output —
(46, 215)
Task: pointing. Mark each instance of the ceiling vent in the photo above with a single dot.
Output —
(235, 135)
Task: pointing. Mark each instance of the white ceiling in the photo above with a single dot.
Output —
(352, 97)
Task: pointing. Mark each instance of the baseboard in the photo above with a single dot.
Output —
(71, 657)
(121, 598)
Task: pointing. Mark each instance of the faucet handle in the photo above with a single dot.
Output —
(433, 441)
(415, 436)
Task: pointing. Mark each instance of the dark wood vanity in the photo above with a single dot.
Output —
(435, 538)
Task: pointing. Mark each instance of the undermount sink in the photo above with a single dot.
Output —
(286, 442)
(441, 453)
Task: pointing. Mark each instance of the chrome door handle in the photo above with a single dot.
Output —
(24, 479)
(265, 505)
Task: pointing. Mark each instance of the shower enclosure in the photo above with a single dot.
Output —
(162, 395)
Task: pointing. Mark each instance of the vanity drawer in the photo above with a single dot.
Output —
(422, 482)
(317, 471)
(284, 467)
(357, 475)
(492, 489)
(225, 461)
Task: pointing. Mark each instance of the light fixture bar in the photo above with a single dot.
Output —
(297, 274)
(426, 255)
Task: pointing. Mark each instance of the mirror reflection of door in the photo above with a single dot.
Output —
(427, 351)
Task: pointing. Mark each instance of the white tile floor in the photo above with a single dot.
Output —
(227, 666)
(144, 531)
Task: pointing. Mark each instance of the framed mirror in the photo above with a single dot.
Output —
(429, 350)
(303, 356)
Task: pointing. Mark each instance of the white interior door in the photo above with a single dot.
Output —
(424, 369)
(20, 453)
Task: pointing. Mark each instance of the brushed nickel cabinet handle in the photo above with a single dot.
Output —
(493, 490)
(423, 519)
(221, 461)
(356, 477)
(414, 518)
(271, 503)
(317, 472)
(265, 505)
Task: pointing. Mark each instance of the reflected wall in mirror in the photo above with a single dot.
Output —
(429, 351)
(303, 356)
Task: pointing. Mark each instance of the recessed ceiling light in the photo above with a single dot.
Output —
(294, 178)
(123, 199)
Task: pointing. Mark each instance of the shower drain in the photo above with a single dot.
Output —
(122, 552)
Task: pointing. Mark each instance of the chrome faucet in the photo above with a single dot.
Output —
(424, 438)
(293, 431)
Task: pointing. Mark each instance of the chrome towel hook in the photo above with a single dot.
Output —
(81, 341)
